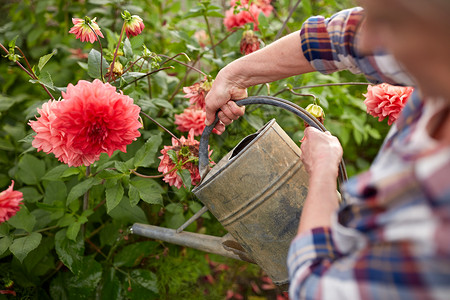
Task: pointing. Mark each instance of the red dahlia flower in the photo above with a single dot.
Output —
(93, 118)
(385, 100)
(196, 93)
(192, 119)
(133, 24)
(180, 156)
(9, 203)
(249, 42)
(82, 30)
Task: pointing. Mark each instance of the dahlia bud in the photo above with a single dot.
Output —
(316, 111)
(117, 71)
(249, 42)
(133, 24)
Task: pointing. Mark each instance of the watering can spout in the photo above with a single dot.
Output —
(225, 246)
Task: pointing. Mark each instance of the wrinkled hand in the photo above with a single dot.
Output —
(321, 152)
(221, 96)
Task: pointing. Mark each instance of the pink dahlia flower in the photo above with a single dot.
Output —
(196, 93)
(246, 14)
(9, 203)
(82, 30)
(93, 118)
(133, 24)
(186, 154)
(192, 119)
(385, 100)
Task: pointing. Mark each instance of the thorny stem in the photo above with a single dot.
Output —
(182, 63)
(115, 53)
(28, 72)
(210, 35)
(287, 19)
(101, 52)
(164, 128)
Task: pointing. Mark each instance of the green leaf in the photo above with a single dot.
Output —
(30, 194)
(127, 49)
(185, 177)
(4, 229)
(5, 242)
(72, 231)
(69, 252)
(145, 156)
(55, 173)
(81, 188)
(137, 41)
(23, 220)
(109, 174)
(149, 190)
(144, 284)
(70, 172)
(133, 194)
(46, 79)
(114, 194)
(127, 213)
(24, 245)
(162, 103)
(55, 192)
(133, 254)
(214, 13)
(44, 59)
(94, 59)
(175, 208)
(31, 169)
(111, 285)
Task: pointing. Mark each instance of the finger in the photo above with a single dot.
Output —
(220, 127)
(210, 107)
(224, 118)
(236, 110)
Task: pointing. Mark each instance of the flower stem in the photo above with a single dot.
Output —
(28, 72)
(101, 52)
(164, 128)
(86, 198)
(287, 19)
(210, 34)
(115, 53)
(181, 63)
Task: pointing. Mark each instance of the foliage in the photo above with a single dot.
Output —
(71, 238)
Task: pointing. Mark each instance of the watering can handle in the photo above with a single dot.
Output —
(274, 101)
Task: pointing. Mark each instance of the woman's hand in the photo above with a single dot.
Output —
(321, 153)
(223, 91)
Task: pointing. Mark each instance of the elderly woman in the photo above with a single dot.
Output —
(392, 239)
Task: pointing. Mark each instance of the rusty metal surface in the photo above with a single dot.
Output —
(257, 194)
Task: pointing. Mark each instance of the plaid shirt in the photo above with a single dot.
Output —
(392, 239)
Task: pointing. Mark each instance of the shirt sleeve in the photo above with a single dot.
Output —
(330, 45)
(383, 270)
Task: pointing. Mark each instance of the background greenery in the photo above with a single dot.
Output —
(56, 249)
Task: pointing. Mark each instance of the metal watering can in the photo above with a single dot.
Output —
(256, 192)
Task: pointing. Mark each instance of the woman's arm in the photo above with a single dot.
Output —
(281, 59)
